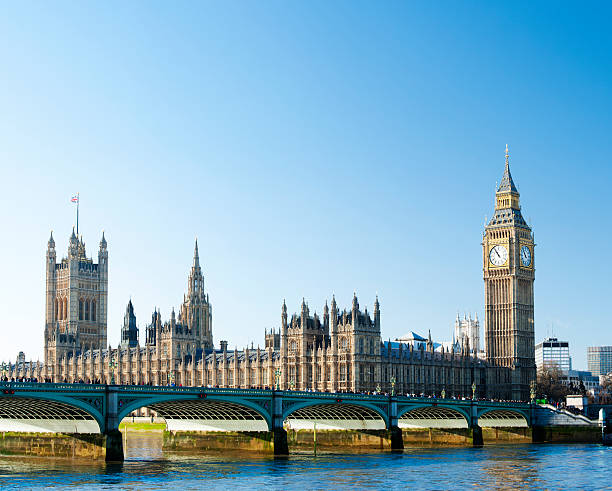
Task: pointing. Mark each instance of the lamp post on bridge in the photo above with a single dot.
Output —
(277, 375)
(392, 386)
(111, 367)
(443, 394)
(291, 384)
(4, 367)
(532, 391)
(474, 390)
(378, 389)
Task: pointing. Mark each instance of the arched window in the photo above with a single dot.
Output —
(56, 308)
(87, 309)
(360, 345)
(344, 344)
(93, 310)
(65, 316)
(80, 309)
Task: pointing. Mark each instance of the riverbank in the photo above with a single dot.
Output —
(96, 447)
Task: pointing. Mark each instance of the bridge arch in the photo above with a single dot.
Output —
(430, 416)
(190, 412)
(57, 414)
(506, 417)
(336, 415)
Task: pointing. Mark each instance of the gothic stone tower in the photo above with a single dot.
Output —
(76, 300)
(509, 273)
(196, 311)
(129, 331)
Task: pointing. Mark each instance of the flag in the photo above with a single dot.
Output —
(75, 199)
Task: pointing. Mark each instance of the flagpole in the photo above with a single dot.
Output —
(78, 199)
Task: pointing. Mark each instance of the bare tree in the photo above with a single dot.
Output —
(549, 384)
(605, 394)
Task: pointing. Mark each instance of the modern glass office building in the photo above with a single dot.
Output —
(599, 359)
(552, 352)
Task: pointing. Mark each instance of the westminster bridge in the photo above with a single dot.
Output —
(79, 409)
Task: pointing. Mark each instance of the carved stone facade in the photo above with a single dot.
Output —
(341, 351)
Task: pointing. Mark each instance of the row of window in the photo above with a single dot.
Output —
(365, 345)
(87, 310)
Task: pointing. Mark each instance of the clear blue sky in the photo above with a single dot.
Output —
(312, 147)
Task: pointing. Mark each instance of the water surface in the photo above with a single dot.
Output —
(501, 467)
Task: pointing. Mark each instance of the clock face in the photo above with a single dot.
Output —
(498, 255)
(525, 255)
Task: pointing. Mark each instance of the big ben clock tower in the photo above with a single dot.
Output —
(509, 273)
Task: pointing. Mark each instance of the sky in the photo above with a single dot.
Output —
(313, 148)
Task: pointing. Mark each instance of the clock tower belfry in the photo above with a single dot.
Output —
(509, 273)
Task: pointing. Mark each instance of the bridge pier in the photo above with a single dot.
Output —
(113, 443)
(477, 440)
(113, 440)
(606, 427)
(281, 446)
(397, 439)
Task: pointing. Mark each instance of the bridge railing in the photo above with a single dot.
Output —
(165, 389)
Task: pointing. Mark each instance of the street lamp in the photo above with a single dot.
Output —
(474, 390)
(171, 377)
(277, 375)
(443, 394)
(392, 385)
(4, 367)
(533, 390)
(291, 384)
(378, 389)
(111, 366)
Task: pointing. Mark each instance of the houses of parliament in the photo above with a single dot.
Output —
(343, 350)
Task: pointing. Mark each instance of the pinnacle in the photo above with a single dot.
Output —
(196, 256)
(507, 184)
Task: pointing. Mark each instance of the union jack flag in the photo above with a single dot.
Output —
(75, 199)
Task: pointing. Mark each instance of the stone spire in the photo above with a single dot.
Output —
(51, 243)
(196, 256)
(129, 331)
(507, 184)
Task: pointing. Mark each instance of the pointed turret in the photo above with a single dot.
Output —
(196, 256)
(507, 184)
(507, 202)
(73, 245)
(377, 314)
(129, 331)
(102, 241)
(51, 243)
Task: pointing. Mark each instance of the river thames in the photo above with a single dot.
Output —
(503, 467)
